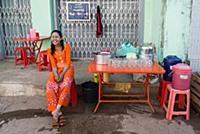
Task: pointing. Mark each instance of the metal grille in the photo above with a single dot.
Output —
(15, 21)
(121, 19)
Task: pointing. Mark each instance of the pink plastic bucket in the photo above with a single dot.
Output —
(181, 76)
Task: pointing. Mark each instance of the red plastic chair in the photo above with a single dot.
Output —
(73, 93)
(44, 62)
(21, 57)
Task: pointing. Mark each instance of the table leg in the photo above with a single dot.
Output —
(160, 89)
(100, 93)
(149, 101)
(100, 85)
(96, 108)
(38, 49)
(148, 93)
(146, 85)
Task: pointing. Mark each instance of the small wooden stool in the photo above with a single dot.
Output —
(171, 102)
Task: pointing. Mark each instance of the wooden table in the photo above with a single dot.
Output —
(33, 41)
(145, 97)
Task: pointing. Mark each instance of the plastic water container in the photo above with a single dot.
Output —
(181, 76)
(169, 61)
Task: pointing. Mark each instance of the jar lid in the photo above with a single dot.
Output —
(105, 51)
(182, 67)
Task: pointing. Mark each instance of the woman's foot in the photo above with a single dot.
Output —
(55, 123)
(58, 119)
(55, 114)
(61, 119)
(55, 120)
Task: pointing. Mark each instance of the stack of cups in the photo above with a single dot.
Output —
(147, 53)
(147, 56)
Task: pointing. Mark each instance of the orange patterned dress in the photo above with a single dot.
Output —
(59, 92)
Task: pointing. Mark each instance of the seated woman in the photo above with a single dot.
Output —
(60, 79)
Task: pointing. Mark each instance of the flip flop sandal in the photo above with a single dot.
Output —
(62, 120)
(61, 124)
(55, 123)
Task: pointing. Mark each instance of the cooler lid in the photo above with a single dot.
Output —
(182, 67)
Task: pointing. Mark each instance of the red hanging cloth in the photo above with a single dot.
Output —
(99, 24)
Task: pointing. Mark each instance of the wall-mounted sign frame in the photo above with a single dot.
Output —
(78, 11)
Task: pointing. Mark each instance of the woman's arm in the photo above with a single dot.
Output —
(68, 55)
(67, 59)
(53, 65)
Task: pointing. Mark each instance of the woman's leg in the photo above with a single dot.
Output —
(52, 93)
(64, 92)
(65, 86)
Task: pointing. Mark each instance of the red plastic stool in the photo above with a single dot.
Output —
(29, 55)
(44, 62)
(24, 57)
(171, 102)
(73, 93)
(162, 90)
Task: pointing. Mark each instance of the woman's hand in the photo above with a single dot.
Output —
(61, 76)
(56, 77)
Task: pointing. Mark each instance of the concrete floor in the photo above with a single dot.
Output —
(23, 108)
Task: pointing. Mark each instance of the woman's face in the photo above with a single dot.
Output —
(55, 38)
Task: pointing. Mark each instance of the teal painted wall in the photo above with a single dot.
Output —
(167, 25)
(153, 24)
(157, 33)
(41, 18)
(177, 27)
(147, 21)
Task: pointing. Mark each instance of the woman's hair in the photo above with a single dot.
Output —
(61, 41)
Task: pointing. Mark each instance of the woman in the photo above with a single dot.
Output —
(60, 79)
